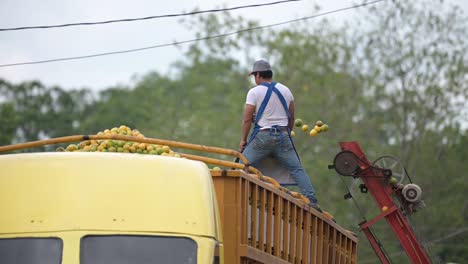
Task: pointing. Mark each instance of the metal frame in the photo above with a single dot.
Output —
(381, 193)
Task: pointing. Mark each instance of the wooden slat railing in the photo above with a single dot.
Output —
(279, 228)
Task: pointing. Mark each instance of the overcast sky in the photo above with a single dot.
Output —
(102, 72)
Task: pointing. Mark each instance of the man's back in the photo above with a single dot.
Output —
(274, 113)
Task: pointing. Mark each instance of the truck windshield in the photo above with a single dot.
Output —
(123, 249)
(31, 250)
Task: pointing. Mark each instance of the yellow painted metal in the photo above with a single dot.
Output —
(71, 242)
(45, 192)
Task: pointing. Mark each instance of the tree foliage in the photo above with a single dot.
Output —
(31, 111)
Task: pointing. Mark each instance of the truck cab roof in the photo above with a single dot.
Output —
(106, 191)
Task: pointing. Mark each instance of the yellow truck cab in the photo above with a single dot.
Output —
(107, 208)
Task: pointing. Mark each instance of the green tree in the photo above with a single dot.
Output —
(31, 111)
(415, 70)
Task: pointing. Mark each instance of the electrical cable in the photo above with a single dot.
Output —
(409, 178)
(352, 198)
(397, 253)
(421, 238)
(146, 18)
(186, 41)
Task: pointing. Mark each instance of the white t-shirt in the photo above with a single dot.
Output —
(274, 113)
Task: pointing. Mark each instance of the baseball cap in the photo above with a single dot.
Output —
(260, 65)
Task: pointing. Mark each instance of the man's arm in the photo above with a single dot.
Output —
(291, 117)
(249, 111)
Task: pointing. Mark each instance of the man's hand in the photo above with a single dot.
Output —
(249, 111)
(242, 145)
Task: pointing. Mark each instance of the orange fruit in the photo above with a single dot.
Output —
(313, 133)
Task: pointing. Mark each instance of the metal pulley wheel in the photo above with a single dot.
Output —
(392, 163)
(346, 163)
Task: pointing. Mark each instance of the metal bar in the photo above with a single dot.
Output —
(380, 216)
(376, 246)
(407, 238)
(51, 141)
(222, 163)
(209, 149)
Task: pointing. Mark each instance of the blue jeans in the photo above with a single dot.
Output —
(279, 146)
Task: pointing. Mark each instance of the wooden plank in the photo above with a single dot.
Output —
(286, 226)
(349, 252)
(269, 242)
(244, 208)
(277, 225)
(334, 247)
(253, 255)
(292, 239)
(338, 246)
(320, 242)
(261, 228)
(313, 242)
(254, 213)
(300, 218)
(228, 198)
(345, 251)
(306, 238)
(354, 250)
(327, 244)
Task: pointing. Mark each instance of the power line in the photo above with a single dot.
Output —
(146, 18)
(453, 234)
(186, 41)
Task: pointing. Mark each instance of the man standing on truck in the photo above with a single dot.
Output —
(270, 105)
